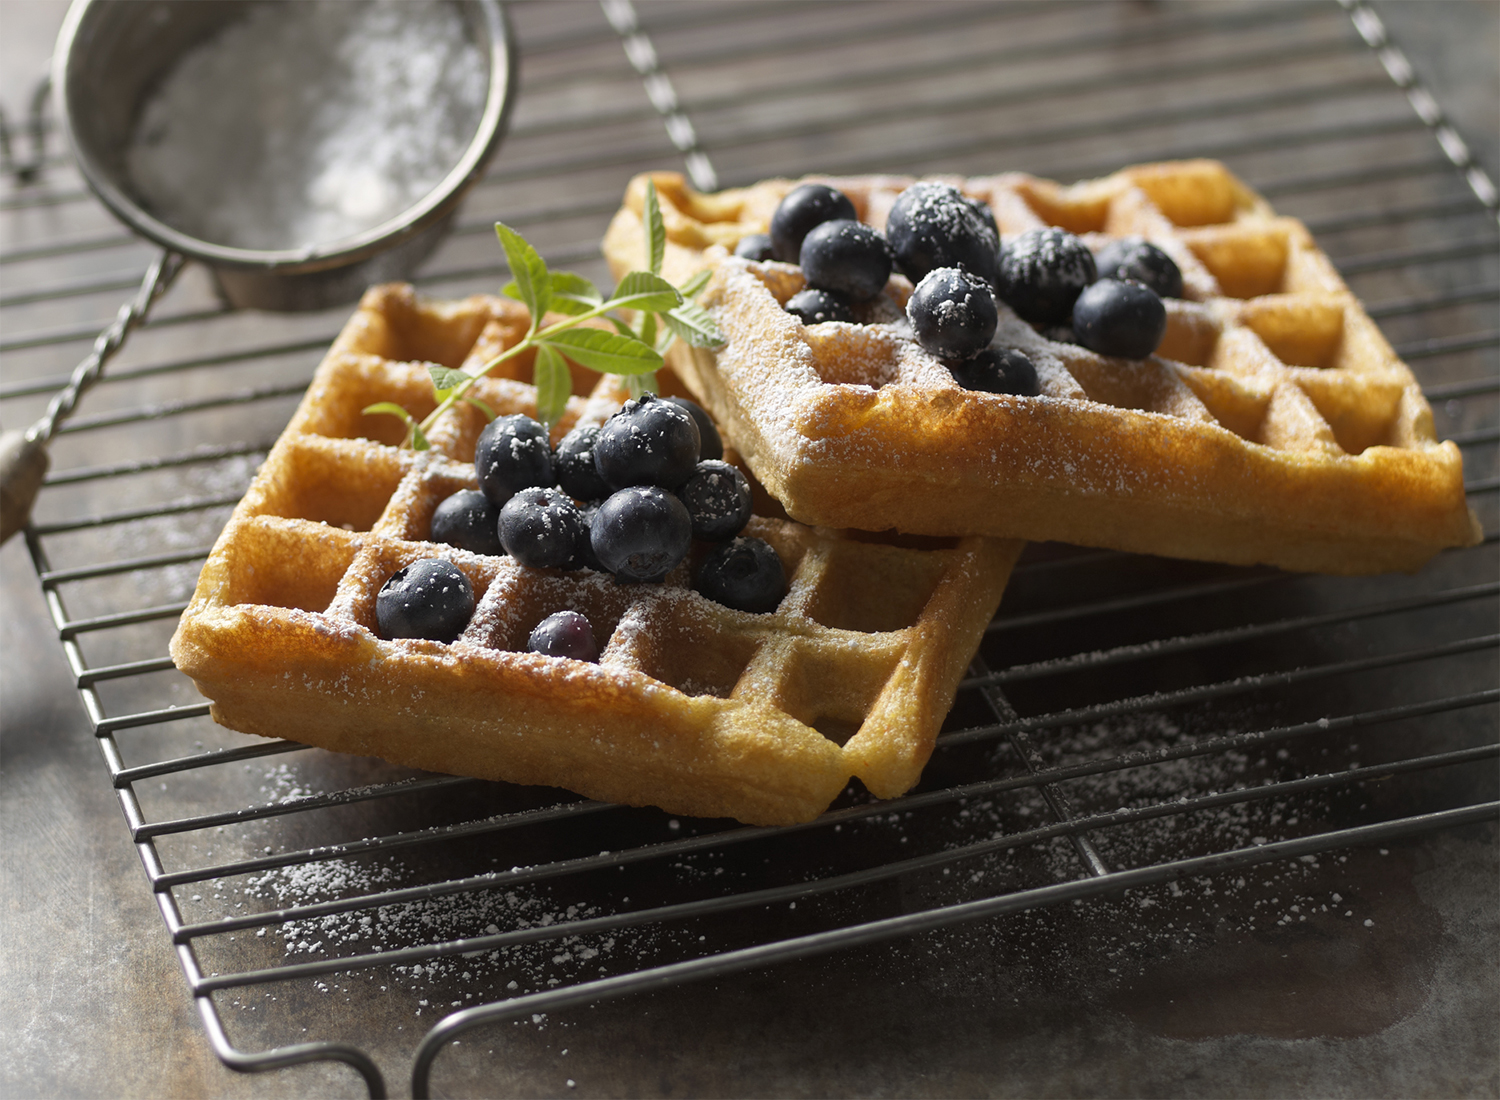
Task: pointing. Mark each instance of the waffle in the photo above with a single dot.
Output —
(1274, 425)
(693, 707)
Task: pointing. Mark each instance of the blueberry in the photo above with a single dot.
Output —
(430, 598)
(952, 313)
(1119, 318)
(744, 574)
(709, 443)
(987, 216)
(848, 257)
(512, 454)
(934, 225)
(641, 533)
(757, 246)
(1138, 259)
(814, 307)
(573, 464)
(564, 634)
(542, 528)
(1042, 272)
(718, 500)
(993, 371)
(585, 558)
(468, 520)
(650, 441)
(804, 207)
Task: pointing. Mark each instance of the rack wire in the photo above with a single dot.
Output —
(1128, 724)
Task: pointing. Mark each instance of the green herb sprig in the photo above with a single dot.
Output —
(661, 313)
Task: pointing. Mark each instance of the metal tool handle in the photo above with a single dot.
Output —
(23, 455)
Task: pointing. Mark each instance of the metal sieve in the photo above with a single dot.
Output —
(111, 55)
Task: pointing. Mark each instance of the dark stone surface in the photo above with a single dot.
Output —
(1452, 45)
(93, 1002)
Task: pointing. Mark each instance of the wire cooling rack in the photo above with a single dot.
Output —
(1131, 728)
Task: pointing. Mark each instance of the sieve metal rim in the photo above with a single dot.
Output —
(71, 57)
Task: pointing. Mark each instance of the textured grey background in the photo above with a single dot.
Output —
(92, 1002)
(1452, 45)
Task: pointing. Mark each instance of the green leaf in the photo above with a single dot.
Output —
(620, 326)
(645, 291)
(571, 306)
(445, 379)
(413, 429)
(694, 286)
(646, 333)
(489, 413)
(553, 384)
(573, 294)
(656, 233)
(607, 352)
(693, 325)
(533, 287)
(637, 384)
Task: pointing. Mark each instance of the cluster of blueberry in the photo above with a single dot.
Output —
(628, 498)
(1110, 303)
(949, 246)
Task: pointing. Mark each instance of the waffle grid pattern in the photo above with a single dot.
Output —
(694, 707)
(1274, 425)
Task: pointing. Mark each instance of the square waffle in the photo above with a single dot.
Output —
(693, 707)
(1273, 425)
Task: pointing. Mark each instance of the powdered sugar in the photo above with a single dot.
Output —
(306, 123)
(1119, 937)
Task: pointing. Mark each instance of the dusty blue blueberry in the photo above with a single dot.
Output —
(952, 313)
(847, 257)
(994, 371)
(805, 206)
(468, 520)
(641, 533)
(430, 598)
(1119, 318)
(933, 225)
(1042, 272)
(512, 454)
(542, 528)
(1138, 259)
(564, 634)
(744, 574)
(650, 441)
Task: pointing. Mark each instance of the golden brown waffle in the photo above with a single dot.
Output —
(693, 707)
(1274, 425)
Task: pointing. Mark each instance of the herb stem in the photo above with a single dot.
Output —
(458, 391)
(531, 340)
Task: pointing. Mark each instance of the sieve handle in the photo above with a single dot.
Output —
(23, 455)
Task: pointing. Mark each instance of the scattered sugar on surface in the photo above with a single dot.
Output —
(472, 977)
(431, 986)
(1134, 931)
(283, 784)
(1125, 936)
(344, 116)
(176, 531)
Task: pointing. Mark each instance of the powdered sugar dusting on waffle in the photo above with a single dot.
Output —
(1274, 424)
(694, 707)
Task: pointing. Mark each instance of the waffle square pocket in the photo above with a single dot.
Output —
(693, 707)
(1273, 425)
